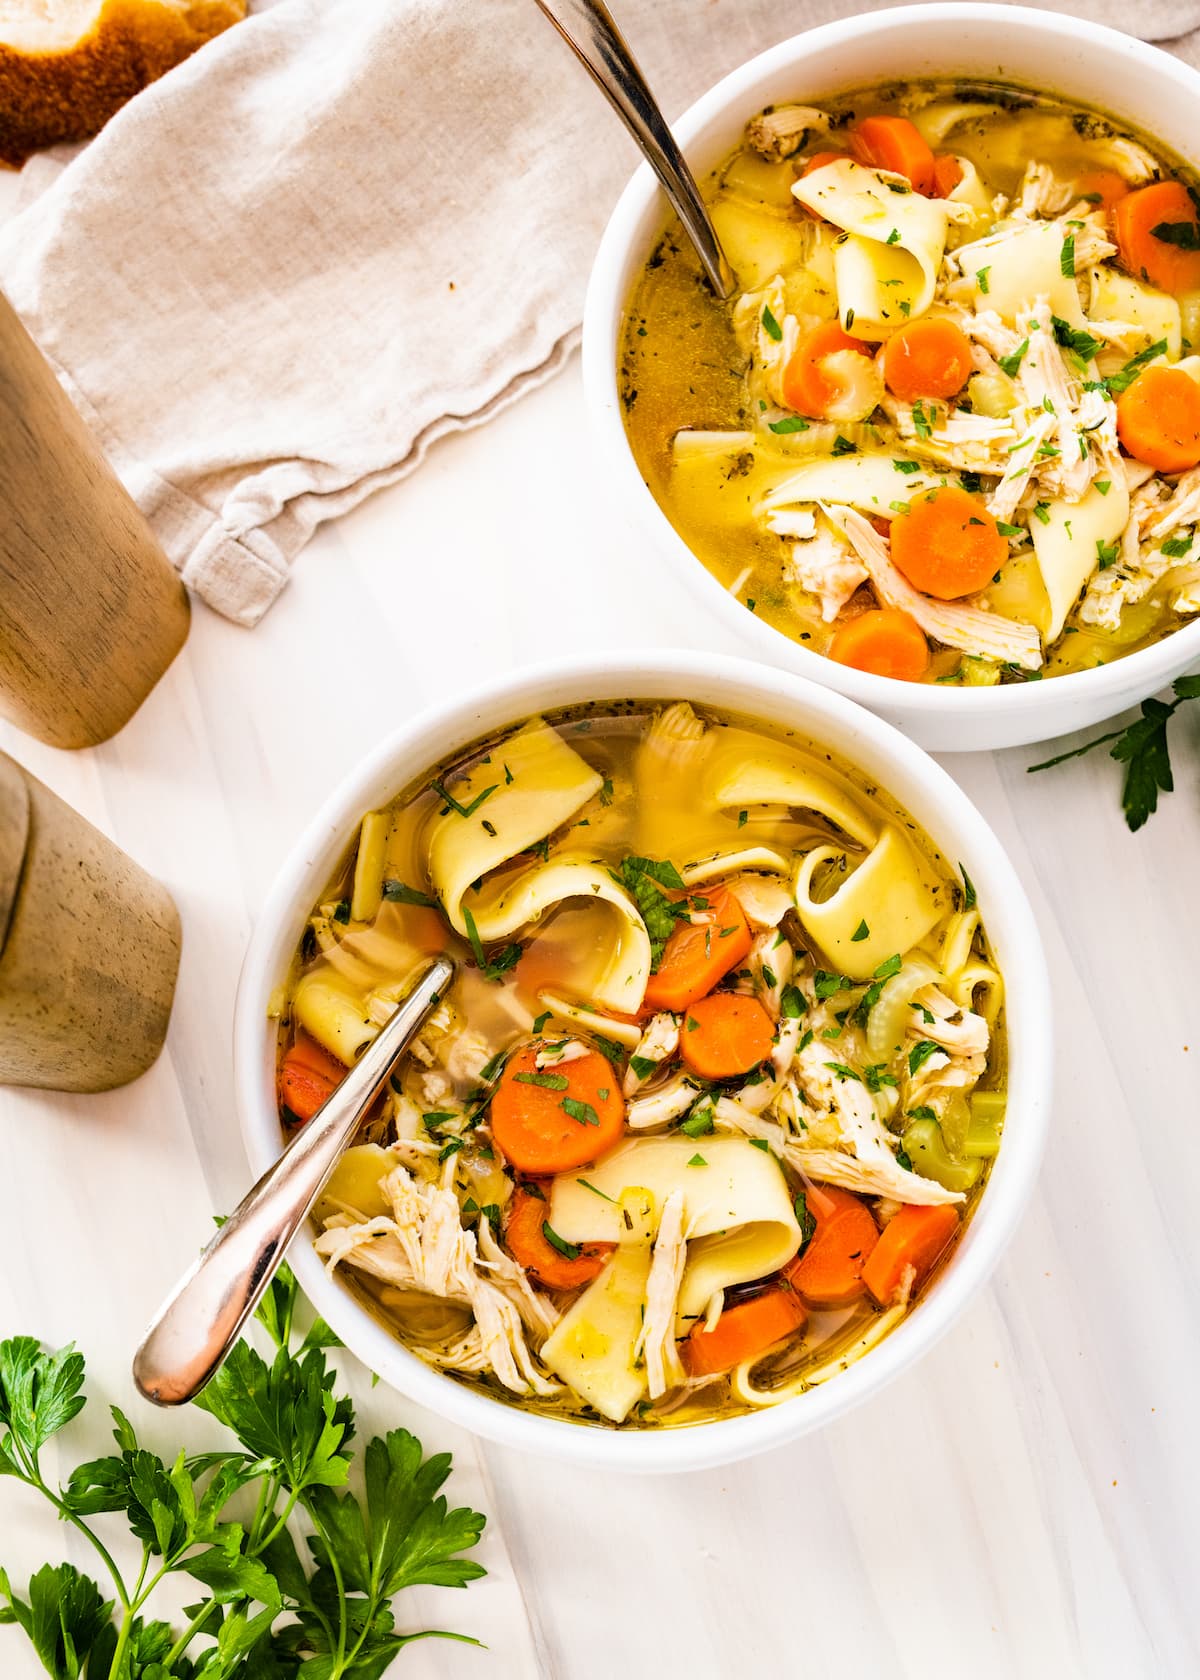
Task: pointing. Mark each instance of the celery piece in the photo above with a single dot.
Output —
(922, 1143)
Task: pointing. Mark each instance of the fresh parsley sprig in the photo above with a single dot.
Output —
(264, 1614)
(1143, 749)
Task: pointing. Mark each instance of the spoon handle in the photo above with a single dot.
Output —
(588, 29)
(201, 1320)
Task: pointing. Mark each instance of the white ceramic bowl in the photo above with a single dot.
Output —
(884, 756)
(1044, 50)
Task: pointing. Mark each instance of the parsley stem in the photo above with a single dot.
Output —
(338, 1667)
(188, 1634)
(64, 1510)
(1076, 752)
(261, 1545)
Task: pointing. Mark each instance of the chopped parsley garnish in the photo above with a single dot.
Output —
(920, 1054)
(1118, 382)
(546, 1081)
(645, 878)
(1042, 512)
(843, 446)
(862, 931)
(826, 984)
(606, 791)
(697, 1161)
(569, 1251)
(1106, 553)
(805, 1221)
(451, 1148)
(770, 325)
(759, 1143)
(843, 1072)
(699, 1122)
(1176, 546)
(341, 910)
(1075, 339)
(902, 1160)
(491, 968)
(540, 1021)
(1104, 485)
(1011, 364)
(1185, 235)
(453, 804)
(581, 1111)
(792, 1003)
(643, 1066)
(1009, 530)
(921, 421)
(398, 892)
(922, 1113)
(907, 466)
(595, 1191)
(877, 1076)
(893, 238)
(1066, 257)
(790, 423)
(969, 899)
(981, 278)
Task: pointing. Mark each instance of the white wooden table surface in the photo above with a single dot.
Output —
(1022, 1504)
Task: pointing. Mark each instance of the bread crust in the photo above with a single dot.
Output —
(46, 97)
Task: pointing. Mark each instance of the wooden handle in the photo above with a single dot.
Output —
(91, 610)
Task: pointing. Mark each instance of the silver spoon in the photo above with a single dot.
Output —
(588, 29)
(200, 1321)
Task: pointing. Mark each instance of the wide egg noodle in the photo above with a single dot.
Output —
(594, 1345)
(537, 783)
(1133, 314)
(745, 769)
(1067, 543)
(1023, 262)
(737, 1213)
(869, 482)
(887, 267)
(515, 903)
(886, 894)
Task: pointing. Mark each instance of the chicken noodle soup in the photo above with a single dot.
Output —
(718, 1080)
(949, 428)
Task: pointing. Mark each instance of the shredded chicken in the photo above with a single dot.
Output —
(826, 567)
(770, 965)
(948, 1024)
(663, 1104)
(1041, 192)
(952, 622)
(561, 1051)
(778, 134)
(656, 1342)
(800, 523)
(424, 1246)
(658, 1043)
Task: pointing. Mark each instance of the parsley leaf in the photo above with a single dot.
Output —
(969, 899)
(1118, 382)
(790, 423)
(453, 804)
(806, 1222)
(1184, 235)
(397, 892)
(546, 1081)
(921, 1052)
(1072, 338)
(770, 325)
(1011, 364)
(645, 878)
(1143, 748)
(492, 968)
(581, 1111)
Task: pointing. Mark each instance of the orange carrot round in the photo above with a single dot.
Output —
(947, 544)
(806, 385)
(1141, 221)
(547, 1120)
(947, 173)
(698, 954)
(1158, 419)
(927, 358)
(819, 159)
(884, 641)
(829, 1273)
(1102, 186)
(915, 1237)
(892, 143)
(725, 1034)
(308, 1076)
(743, 1331)
(528, 1244)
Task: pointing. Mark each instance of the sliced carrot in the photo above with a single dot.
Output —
(927, 358)
(829, 1273)
(886, 642)
(819, 159)
(947, 173)
(743, 1331)
(806, 385)
(308, 1076)
(698, 954)
(1141, 221)
(915, 1237)
(892, 143)
(526, 1241)
(1158, 419)
(547, 1120)
(1102, 186)
(725, 1034)
(947, 544)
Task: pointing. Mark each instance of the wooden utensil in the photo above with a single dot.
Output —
(91, 610)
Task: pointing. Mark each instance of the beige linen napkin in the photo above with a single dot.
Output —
(341, 230)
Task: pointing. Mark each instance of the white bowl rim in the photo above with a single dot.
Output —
(1155, 665)
(658, 674)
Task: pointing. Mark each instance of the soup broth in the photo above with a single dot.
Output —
(948, 428)
(717, 1083)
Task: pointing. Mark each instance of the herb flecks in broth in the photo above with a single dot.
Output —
(717, 1082)
(947, 291)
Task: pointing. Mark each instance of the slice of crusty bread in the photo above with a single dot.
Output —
(67, 65)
